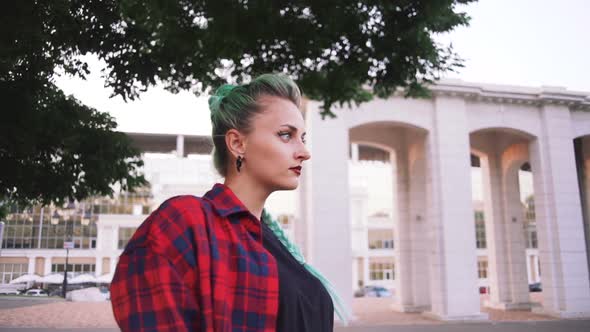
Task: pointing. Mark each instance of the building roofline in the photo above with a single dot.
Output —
(575, 100)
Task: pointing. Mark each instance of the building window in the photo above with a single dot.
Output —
(11, 271)
(480, 230)
(482, 269)
(530, 223)
(381, 244)
(529, 209)
(381, 271)
(379, 239)
(125, 233)
(480, 236)
(74, 269)
(83, 236)
(138, 202)
(531, 236)
(23, 227)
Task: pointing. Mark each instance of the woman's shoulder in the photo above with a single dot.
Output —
(176, 222)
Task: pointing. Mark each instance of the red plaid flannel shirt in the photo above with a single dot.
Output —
(197, 264)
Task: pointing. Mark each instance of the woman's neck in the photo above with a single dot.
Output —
(252, 195)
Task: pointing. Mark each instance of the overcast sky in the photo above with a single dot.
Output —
(517, 42)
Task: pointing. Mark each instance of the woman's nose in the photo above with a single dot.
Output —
(303, 153)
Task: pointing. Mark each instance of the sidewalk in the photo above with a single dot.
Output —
(62, 314)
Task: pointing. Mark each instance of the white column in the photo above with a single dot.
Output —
(329, 200)
(180, 146)
(354, 151)
(302, 214)
(31, 266)
(495, 229)
(562, 251)
(98, 266)
(411, 250)
(404, 278)
(418, 225)
(47, 265)
(515, 242)
(453, 262)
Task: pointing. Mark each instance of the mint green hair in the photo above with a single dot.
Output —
(339, 307)
(234, 106)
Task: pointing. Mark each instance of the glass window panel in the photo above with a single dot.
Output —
(19, 231)
(77, 230)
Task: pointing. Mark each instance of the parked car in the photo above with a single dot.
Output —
(373, 291)
(9, 291)
(36, 292)
(535, 287)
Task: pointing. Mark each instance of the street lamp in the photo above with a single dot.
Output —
(67, 246)
(65, 283)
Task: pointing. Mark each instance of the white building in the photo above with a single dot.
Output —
(425, 245)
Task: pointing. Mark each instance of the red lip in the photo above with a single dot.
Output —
(296, 169)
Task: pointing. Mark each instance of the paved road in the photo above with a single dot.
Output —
(8, 302)
(550, 326)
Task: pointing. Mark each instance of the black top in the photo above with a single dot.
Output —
(304, 304)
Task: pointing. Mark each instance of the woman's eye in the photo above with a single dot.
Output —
(285, 136)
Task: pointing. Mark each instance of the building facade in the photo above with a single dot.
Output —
(431, 142)
(431, 247)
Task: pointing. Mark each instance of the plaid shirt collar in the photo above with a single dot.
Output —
(224, 201)
(228, 205)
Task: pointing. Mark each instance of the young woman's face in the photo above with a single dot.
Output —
(275, 148)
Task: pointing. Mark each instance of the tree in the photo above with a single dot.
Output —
(339, 51)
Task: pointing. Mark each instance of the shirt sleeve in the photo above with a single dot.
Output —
(148, 294)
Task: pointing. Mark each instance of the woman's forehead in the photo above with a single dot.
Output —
(277, 112)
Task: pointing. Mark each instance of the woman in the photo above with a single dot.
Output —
(219, 262)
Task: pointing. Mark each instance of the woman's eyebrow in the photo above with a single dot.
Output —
(293, 128)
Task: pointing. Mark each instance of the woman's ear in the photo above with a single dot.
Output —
(235, 142)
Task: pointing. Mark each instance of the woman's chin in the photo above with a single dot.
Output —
(289, 185)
